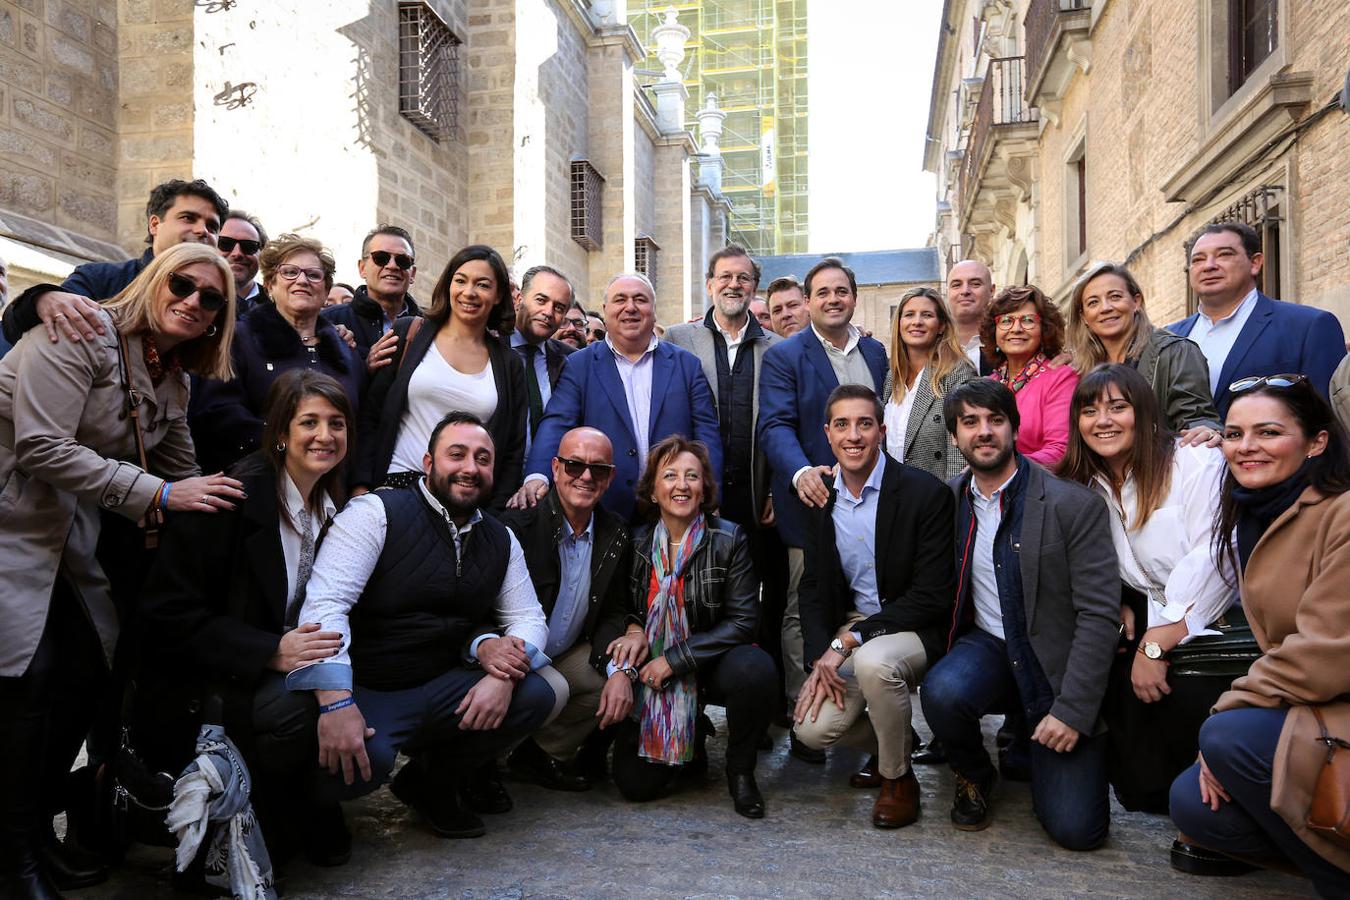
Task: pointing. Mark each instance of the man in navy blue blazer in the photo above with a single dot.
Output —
(1243, 332)
(796, 378)
(634, 388)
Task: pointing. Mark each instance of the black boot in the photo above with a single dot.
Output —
(592, 760)
(70, 866)
(483, 792)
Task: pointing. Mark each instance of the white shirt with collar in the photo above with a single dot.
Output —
(344, 564)
(983, 582)
(849, 368)
(973, 351)
(1217, 337)
(733, 342)
(294, 507)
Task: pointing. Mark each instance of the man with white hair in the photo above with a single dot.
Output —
(634, 388)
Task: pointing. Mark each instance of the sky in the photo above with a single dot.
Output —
(869, 71)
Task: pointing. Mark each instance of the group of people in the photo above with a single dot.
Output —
(498, 528)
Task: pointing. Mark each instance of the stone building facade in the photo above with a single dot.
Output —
(1067, 131)
(292, 110)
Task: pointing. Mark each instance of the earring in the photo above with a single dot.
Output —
(281, 446)
(211, 330)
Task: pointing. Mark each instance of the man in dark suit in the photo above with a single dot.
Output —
(634, 388)
(1035, 626)
(875, 599)
(578, 555)
(1243, 332)
(798, 375)
(389, 267)
(544, 297)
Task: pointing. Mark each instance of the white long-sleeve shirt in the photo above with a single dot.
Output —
(1174, 545)
(345, 562)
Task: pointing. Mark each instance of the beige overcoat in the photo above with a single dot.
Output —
(66, 450)
(1296, 593)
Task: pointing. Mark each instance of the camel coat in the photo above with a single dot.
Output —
(1295, 596)
(67, 451)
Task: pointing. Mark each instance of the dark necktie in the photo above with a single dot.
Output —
(532, 387)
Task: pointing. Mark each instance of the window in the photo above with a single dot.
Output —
(587, 186)
(644, 257)
(1075, 206)
(1260, 209)
(1253, 36)
(428, 71)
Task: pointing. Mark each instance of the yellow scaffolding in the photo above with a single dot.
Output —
(752, 55)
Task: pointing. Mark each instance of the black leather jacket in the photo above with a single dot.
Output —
(721, 593)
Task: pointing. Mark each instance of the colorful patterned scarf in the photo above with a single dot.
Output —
(156, 367)
(1039, 363)
(668, 716)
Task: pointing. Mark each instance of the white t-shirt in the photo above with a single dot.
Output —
(897, 420)
(436, 388)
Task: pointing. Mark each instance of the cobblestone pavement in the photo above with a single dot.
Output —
(816, 841)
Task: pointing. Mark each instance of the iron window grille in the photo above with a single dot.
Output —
(587, 185)
(644, 257)
(428, 71)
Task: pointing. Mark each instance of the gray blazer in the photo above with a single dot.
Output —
(698, 340)
(1070, 584)
(67, 451)
(928, 446)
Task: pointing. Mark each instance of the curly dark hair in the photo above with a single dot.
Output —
(1009, 299)
(662, 453)
(503, 316)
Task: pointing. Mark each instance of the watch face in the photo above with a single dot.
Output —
(1153, 651)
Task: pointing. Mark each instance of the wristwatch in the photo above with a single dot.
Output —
(1151, 649)
(837, 645)
(631, 672)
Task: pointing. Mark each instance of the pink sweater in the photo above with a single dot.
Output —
(1044, 407)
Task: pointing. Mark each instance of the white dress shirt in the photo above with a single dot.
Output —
(897, 419)
(637, 390)
(733, 342)
(290, 536)
(1172, 551)
(345, 562)
(1217, 337)
(973, 351)
(983, 582)
(850, 367)
(436, 388)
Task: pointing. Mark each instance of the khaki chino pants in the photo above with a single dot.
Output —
(577, 686)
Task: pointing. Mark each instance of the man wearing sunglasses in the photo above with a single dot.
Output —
(241, 241)
(177, 212)
(578, 555)
(388, 266)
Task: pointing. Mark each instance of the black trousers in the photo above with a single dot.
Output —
(742, 680)
(768, 554)
(47, 712)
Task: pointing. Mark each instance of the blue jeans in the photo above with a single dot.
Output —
(1239, 747)
(1068, 790)
(423, 718)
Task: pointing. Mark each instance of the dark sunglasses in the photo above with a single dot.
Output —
(574, 468)
(1286, 380)
(227, 245)
(381, 258)
(208, 298)
(597, 334)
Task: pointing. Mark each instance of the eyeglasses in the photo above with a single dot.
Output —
(1286, 380)
(381, 258)
(248, 248)
(738, 278)
(208, 298)
(597, 334)
(1029, 321)
(574, 468)
(291, 273)
(578, 324)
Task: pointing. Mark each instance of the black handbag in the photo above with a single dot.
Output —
(1228, 654)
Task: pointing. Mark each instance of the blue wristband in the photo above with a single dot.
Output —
(340, 704)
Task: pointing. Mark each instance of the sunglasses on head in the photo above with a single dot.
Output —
(248, 248)
(381, 258)
(208, 298)
(574, 468)
(1286, 380)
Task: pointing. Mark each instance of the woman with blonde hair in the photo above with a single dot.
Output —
(927, 363)
(90, 427)
(1108, 324)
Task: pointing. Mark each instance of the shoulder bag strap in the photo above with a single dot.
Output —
(408, 339)
(1153, 584)
(133, 401)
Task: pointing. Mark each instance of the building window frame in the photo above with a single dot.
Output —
(1220, 63)
(428, 71)
(587, 205)
(1076, 236)
(645, 252)
(1268, 204)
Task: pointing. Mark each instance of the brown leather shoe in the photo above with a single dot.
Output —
(898, 803)
(867, 776)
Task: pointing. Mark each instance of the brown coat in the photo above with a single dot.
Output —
(67, 450)
(1296, 598)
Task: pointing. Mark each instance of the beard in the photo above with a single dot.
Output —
(460, 494)
(992, 465)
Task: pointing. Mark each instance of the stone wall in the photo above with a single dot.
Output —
(58, 113)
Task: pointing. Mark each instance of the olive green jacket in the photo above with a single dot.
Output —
(1177, 369)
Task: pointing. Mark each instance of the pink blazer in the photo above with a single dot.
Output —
(1044, 407)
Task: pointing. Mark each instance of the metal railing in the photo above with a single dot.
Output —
(1040, 24)
(1001, 103)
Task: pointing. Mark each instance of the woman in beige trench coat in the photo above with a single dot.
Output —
(67, 452)
(1287, 501)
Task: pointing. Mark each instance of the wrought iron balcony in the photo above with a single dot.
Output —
(1001, 113)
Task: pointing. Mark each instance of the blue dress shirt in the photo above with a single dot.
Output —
(855, 536)
(574, 588)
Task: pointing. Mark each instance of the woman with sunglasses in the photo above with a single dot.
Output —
(1108, 324)
(1162, 499)
(221, 607)
(449, 361)
(1022, 333)
(288, 333)
(74, 417)
(926, 364)
(1282, 524)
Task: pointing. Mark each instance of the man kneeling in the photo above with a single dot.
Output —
(407, 576)
(875, 598)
